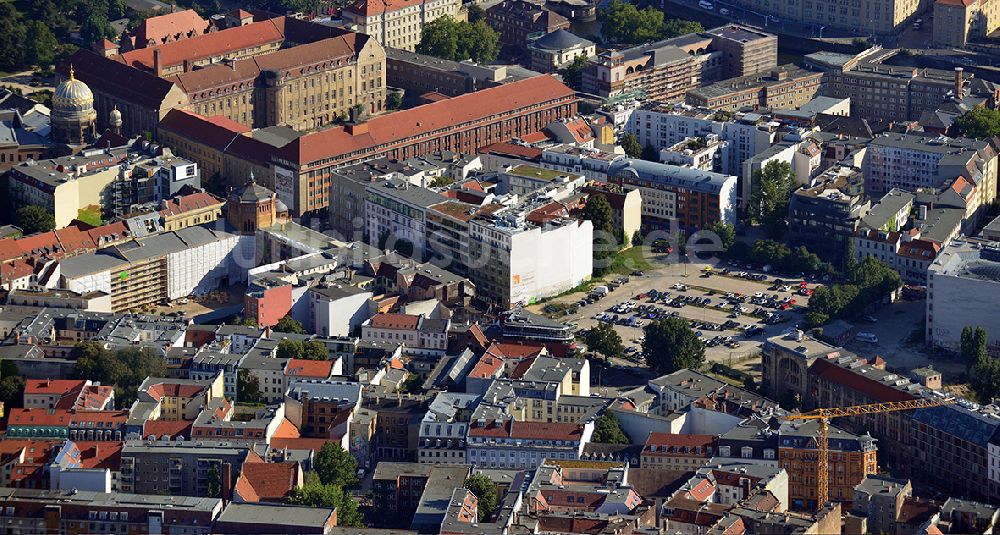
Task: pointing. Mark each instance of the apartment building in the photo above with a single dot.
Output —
(906, 252)
(81, 511)
(880, 17)
(960, 282)
(112, 181)
(302, 167)
(524, 445)
(444, 428)
(689, 198)
(417, 74)
(275, 71)
(745, 134)
(516, 20)
(395, 213)
(912, 162)
(680, 453)
(420, 335)
(825, 216)
(175, 467)
(784, 87)
(665, 70)
(852, 459)
(957, 22)
(555, 50)
(884, 94)
(396, 23)
(164, 267)
(322, 408)
(951, 448)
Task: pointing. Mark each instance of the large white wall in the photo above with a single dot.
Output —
(549, 262)
(340, 317)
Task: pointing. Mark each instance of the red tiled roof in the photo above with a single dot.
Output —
(920, 249)
(105, 44)
(105, 454)
(172, 428)
(536, 137)
(187, 203)
(874, 390)
(371, 8)
(50, 386)
(286, 429)
(528, 430)
(574, 499)
(510, 149)
(177, 25)
(208, 45)
(487, 366)
(320, 369)
(702, 491)
(214, 133)
(46, 417)
(91, 418)
(426, 119)
(679, 444)
(395, 321)
(522, 368)
(174, 390)
(268, 481)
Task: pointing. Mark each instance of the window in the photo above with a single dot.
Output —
(746, 452)
(724, 451)
(769, 454)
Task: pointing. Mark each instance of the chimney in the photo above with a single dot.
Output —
(356, 129)
(157, 67)
(227, 483)
(958, 82)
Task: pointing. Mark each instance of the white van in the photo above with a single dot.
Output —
(706, 5)
(866, 337)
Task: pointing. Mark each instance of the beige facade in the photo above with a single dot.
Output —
(399, 23)
(863, 16)
(956, 22)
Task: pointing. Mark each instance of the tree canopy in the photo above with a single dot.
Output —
(631, 146)
(34, 219)
(870, 281)
(572, 73)
(247, 387)
(979, 122)
(671, 345)
(11, 385)
(770, 195)
(598, 211)
(678, 27)
(448, 38)
(604, 339)
(485, 491)
(315, 493)
(608, 430)
(297, 349)
(124, 368)
(973, 346)
(289, 324)
(336, 466)
(624, 23)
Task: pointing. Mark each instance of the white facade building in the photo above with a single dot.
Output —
(397, 23)
(963, 286)
(525, 445)
(337, 310)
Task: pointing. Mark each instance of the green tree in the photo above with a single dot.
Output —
(608, 430)
(677, 27)
(726, 233)
(604, 339)
(315, 494)
(96, 27)
(598, 211)
(671, 345)
(770, 195)
(985, 379)
(979, 123)
(34, 219)
(394, 100)
(289, 324)
(124, 368)
(213, 485)
(290, 349)
(485, 491)
(315, 350)
(247, 387)
(12, 391)
(624, 23)
(448, 38)
(11, 37)
(475, 13)
(631, 146)
(973, 345)
(803, 261)
(650, 154)
(336, 466)
(572, 73)
(40, 44)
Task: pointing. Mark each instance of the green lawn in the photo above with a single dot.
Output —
(91, 216)
(631, 259)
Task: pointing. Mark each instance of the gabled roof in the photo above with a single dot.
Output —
(320, 369)
(395, 321)
(207, 45)
(267, 481)
(199, 129)
(371, 8)
(52, 387)
(116, 78)
(177, 25)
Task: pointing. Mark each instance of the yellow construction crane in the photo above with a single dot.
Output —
(823, 440)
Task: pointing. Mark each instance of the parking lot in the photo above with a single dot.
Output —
(733, 313)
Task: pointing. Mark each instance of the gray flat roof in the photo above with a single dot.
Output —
(275, 514)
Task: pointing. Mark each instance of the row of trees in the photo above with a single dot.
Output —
(869, 282)
(448, 38)
(770, 195)
(669, 345)
(624, 23)
(783, 258)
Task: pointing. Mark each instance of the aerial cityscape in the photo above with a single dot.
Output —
(500, 267)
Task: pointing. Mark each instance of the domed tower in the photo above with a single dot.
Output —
(74, 119)
(115, 120)
(251, 207)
